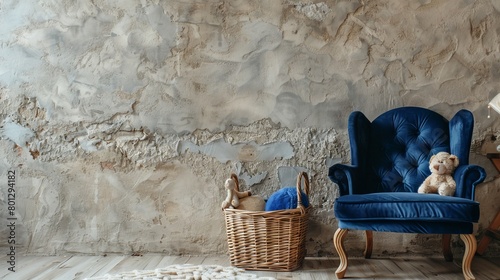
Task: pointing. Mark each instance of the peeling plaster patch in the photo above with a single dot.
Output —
(248, 178)
(316, 11)
(88, 145)
(17, 133)
(244, 152)
(253, 180)
(287, 175)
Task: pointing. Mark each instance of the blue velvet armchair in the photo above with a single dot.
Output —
(389, 161)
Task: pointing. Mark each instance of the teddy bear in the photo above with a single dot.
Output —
(233, 194)
(440, 181)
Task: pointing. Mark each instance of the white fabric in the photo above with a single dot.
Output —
(185, 271)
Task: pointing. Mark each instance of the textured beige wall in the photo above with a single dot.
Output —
(122, 119)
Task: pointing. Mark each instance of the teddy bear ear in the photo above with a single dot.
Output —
(455, 160)
(432, 157)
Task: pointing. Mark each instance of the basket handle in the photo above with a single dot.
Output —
(306, 189)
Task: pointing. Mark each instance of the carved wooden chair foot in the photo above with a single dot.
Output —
(470, 251)
(338, 243)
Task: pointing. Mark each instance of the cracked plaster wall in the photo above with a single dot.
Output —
(123, 119)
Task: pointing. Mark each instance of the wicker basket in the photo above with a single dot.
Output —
(268, 240)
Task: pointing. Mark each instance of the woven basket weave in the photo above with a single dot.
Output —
(268, 240)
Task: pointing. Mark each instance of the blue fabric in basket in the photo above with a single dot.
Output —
(285, 198)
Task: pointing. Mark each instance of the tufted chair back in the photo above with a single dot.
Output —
(393, 150)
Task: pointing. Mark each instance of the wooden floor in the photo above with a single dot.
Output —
(80, 267)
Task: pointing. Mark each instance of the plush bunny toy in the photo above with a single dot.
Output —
(233, 195)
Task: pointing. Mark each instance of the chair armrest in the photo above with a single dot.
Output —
(467, 177)
(345, 176)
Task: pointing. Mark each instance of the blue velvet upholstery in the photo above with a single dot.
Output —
(390, 159)
(428, 210)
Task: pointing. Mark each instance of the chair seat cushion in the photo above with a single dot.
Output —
(402, 206)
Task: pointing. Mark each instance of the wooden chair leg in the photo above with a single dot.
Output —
(338, 240)
(470, 250)
(448, 255)
(369, 244)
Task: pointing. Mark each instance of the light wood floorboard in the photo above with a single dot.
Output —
(80, 267)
